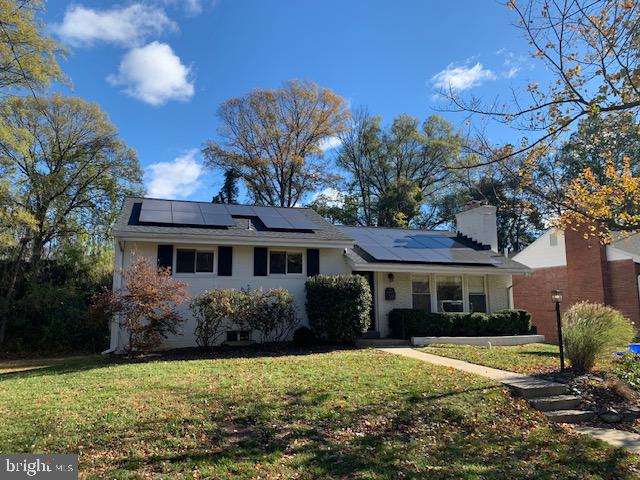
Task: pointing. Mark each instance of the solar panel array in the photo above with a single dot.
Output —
(220, 215)
(415, 246)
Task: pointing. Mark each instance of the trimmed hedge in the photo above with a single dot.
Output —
(338, 306)
(406, 323)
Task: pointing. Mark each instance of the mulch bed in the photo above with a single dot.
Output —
(616, 405)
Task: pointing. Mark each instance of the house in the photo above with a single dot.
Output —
(241, 246)
(583, 269)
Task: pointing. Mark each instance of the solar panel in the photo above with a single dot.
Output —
(155, 216)
(298, 219)
(188, 218)
(218, 219)
(272, 221)
(185, 207)
(214, 208)
(156, 204)
(241, 210)
(386, 244)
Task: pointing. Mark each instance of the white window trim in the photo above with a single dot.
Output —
(201, 248)
(287, 252)
(433, 289)
(429, 278)
(465, 291)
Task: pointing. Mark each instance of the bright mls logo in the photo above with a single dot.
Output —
(28, 466)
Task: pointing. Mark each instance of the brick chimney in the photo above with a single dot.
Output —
(479, 222)
(586, 267)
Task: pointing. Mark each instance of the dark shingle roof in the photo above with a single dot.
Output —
(128, 224)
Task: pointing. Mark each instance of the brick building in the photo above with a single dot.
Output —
(584, 270)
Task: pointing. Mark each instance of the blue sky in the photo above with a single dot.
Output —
(160, 68)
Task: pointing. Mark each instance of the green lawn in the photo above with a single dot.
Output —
(345, 414)
(530, 359)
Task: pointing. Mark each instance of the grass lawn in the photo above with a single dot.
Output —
(344, 414)
(530, 359)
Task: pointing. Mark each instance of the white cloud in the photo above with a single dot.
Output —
(190, 7)
(330, 195)
(329, 143)
(462, 77)
(176, 179)
(153, 74)
(127, 26)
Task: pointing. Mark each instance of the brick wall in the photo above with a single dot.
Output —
(622, 289)
(586, 268)
(533, 293)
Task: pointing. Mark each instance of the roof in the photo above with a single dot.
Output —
(388, 248)
(627, 242)
(367, 248)
(251, 229)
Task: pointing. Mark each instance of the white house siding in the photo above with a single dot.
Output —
(497, 294)
(547, 251)
(331, 262)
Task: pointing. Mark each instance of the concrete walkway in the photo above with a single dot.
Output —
(617, 438)
(492, 373)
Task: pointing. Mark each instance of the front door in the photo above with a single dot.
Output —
(370, 280)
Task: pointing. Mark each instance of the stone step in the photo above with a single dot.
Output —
(528, 387)
(570, 416)
(381, 342)
(556, 402)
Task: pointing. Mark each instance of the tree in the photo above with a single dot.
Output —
(589, 47)
(68, 172)
(27, 54)
(272, 139)
(146, 305)
(229, 191)
(519, 219)
(69, 167)
(392, 172)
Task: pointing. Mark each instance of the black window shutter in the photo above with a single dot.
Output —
(225, 261)
(165, 256)
(260, 262)
(313, 262)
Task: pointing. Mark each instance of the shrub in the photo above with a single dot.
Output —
(338, 306)
(590, 329)
(212, 311)
(304, 337)
(274, 314)
(146, 305)
(55, 318)
(515, 321)
(406, 323)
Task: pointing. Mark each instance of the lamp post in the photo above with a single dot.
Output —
(556, 297)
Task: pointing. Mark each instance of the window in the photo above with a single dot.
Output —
(421, 294)
(553, 239)
(294, 263)
(285, 262)
(449, 291)
(477, 296)
(192, 261)
(204, 262)
(238, 335)
(185, 261)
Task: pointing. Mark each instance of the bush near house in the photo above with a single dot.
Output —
(338, 306)
(272, 314)
(591, 329)
(406, 323)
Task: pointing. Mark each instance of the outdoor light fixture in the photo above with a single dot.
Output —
(556, 297)
(390, 277)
